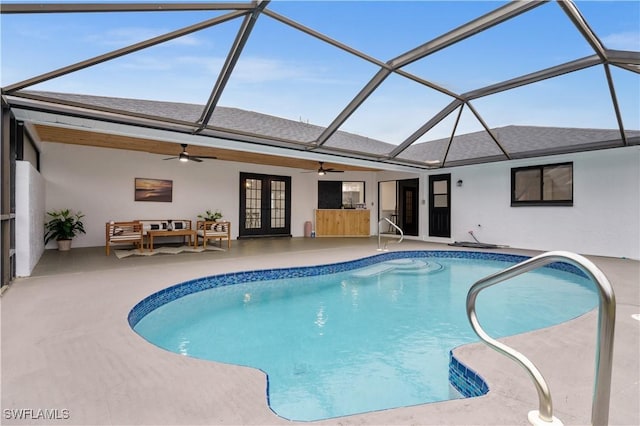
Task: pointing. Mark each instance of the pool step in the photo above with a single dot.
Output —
(401, 266)
(373, 270)
(406, 263)
(427, 268)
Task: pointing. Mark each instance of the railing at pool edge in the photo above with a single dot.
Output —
(395, 226)
(604, 347)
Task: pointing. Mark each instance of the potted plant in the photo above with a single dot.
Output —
(211, 216)
(63, 226)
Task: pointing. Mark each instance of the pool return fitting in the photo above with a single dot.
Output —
(390, 224)
(604, 345)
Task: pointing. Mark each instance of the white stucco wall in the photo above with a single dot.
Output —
(30, 213)
(100, 183)
(604, 219)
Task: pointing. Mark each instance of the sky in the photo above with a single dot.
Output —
(286, 73)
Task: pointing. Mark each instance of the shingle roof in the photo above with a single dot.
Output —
(517, 141)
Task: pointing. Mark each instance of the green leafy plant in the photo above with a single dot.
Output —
(64, 225)
(211, 216)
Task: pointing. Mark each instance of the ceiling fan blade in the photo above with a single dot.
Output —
(321, 170)
(196, 159)
(170, 158)
(207, 157)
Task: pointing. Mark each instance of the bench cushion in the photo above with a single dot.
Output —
(219, 227)
(153, 225)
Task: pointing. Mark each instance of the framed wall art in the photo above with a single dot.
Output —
(160, 190)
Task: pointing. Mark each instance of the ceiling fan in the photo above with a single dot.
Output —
(184, 156)
(322, 171)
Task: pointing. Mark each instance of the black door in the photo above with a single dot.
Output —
(265, 205)
(408, 206)
(440, 205)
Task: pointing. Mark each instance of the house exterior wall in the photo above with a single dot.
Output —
(100, 183)
(604, 219)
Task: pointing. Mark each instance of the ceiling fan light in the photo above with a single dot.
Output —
(321, 173)
(184, 157)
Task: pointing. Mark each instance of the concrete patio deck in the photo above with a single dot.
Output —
(67, 347)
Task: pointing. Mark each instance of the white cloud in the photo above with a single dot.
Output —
(191, 65)
(36, 32)
(125, 36)
(148, 63)
(258, 70)
(209, 64)
(623, 41)
(186, 40)
(250, 70)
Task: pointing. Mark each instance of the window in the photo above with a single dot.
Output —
(542, 185)
(337, 194)
(352, 194)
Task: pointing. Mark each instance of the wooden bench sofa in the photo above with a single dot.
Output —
(137, 231)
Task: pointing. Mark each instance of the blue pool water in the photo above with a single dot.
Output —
(355, 340)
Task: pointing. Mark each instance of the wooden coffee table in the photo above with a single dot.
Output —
(176, 232)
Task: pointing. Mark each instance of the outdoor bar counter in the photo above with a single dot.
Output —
(343, 223)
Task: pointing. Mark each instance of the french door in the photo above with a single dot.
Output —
(265, 205)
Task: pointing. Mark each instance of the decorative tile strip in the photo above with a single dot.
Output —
(465, 380)
(177, 291)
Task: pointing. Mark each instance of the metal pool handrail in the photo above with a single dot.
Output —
(392, 224)
(606, 327)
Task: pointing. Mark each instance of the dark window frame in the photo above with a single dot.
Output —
(540, 202)
(334, 201)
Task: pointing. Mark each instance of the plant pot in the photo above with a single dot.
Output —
(64, 245)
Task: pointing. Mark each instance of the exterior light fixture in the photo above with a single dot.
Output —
(459, 182)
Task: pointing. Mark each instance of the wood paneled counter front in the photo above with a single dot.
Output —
(342, 223)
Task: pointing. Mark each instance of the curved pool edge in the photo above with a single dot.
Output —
(469, 382)
(466, 381)
(171, 293)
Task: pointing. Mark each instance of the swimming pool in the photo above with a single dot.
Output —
(356, 336)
